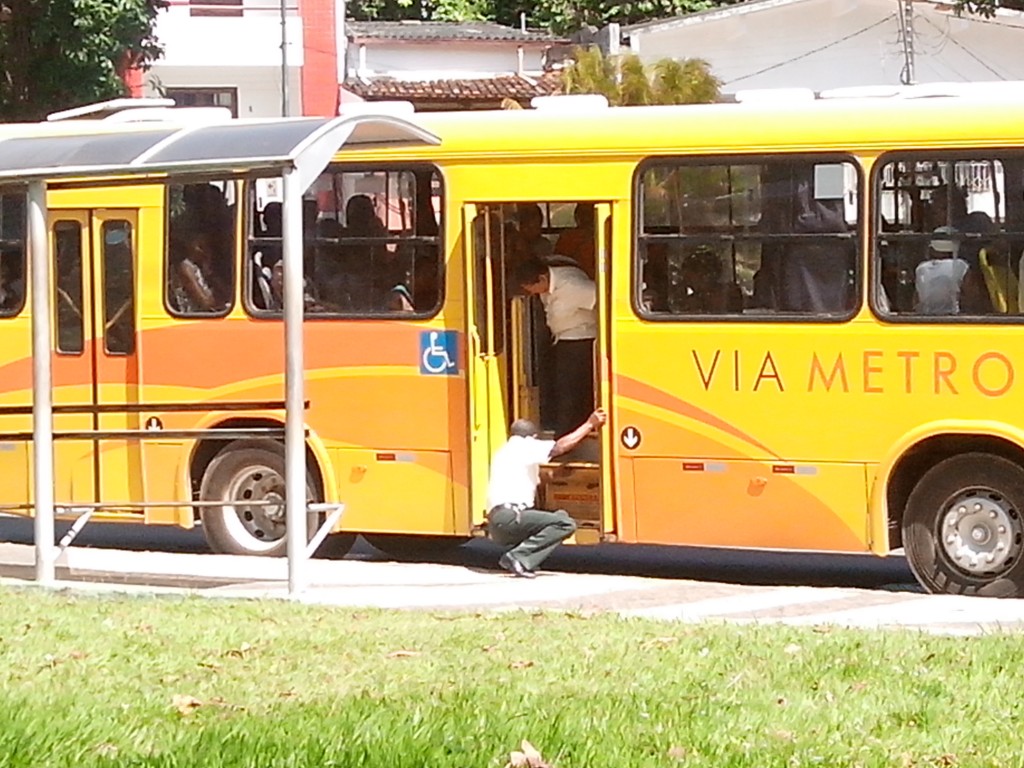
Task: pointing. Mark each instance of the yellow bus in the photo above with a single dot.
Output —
(807, 321)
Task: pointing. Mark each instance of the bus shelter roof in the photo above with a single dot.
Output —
(93, 149)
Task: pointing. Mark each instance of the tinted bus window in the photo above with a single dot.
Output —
(67, 268)
(200, 249)
(371, 244)
(747, 238)
(12, 253)
(118, 288)
(950, 232)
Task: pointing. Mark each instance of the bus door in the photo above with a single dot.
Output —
(603, 368)
(582, 482)
(95, 370)
(487, 361)
(511, 366)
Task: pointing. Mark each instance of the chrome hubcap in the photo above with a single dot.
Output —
(981, 532)
(264, 521)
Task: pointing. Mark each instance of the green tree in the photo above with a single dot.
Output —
(566, 16)
(986, 7)
(559, 16)
(626, 82)
(56, 54)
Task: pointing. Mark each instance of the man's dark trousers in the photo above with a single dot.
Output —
(533, 534)
(574, 383)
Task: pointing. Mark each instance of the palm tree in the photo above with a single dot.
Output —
(626, 82)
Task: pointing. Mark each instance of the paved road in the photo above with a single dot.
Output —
(729, 566)
(663, 583)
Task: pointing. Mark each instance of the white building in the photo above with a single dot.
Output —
(444, 65)
(825, 44)
(229, 53)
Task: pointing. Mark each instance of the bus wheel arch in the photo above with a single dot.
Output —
(963, 528)
(251, 468)
(206, 450)
(919, 458)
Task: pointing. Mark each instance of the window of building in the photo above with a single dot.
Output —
(205, 97)
(12, 253)
(753, 238)
(949, 236)
(372, 244)
(200, 248)
(215, 7)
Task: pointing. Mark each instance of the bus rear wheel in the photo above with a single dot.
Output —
(247, 471)
(963, 529)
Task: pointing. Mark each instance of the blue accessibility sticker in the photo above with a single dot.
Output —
(439, 353)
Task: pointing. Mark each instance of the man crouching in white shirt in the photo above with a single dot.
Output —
(512, 519)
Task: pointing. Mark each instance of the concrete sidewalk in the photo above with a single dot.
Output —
(354, 583)
(363, 583)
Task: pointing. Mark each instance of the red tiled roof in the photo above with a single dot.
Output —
(445, 31)
(476, 89)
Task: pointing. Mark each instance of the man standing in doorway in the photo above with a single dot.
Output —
(570, 306)
(512, 519)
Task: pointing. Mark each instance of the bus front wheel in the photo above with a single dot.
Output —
(963, 529)
(249, 471)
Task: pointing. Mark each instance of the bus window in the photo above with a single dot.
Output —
(12, 253)
(67, 236)
(371, 244)
(118, 288)
(748, 239)
(200, 249)
(949, 237)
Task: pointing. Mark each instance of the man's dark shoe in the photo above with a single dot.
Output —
(515, 567)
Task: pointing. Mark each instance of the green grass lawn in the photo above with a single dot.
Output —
(89, 680)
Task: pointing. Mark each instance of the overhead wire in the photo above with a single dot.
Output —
(813, 51)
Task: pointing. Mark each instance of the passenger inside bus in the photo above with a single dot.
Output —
(12, 280)
(803, 275)
(311, 302)
(527, 240)
(578, 243)
(939, 278)
(271, 220)
(330, 275)
(207, 211)
(195, 285)
(200, 242)
(945, 206)
(569, 297)
(702, 289)
(369, 270)
(988, 255)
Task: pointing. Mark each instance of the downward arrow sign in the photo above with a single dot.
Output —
(631, 437)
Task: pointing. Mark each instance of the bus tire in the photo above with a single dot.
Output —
(963, 530)
(412, 547)
(249, 470)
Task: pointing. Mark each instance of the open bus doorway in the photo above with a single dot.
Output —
(512, 350)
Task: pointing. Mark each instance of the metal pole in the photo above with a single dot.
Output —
(907, 76)
(42, 386)
(284, 58)
(294, 423)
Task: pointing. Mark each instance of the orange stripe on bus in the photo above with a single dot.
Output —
(638, 390)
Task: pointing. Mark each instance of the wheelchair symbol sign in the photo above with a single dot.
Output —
(439, 353)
